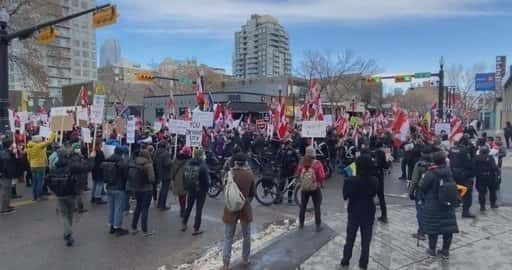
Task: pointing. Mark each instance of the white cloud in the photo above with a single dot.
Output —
(223, 17)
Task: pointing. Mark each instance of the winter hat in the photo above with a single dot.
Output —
(75, 146)
(310, 152)
(186, 150)
(198, 153)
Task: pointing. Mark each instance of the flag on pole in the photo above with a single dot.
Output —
(199, 90)
(456, 130)
(209, 104)
(342, 125)
(84, 102)
(400, 128)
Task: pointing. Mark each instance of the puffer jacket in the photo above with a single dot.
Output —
(79, 168)
(178, 167)
(36, 152)
(436, 218)
(162, 163)
(147, 164)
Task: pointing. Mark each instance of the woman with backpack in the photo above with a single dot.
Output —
(177, 185)
(244, 179)
(438, 216)
(312, 175)
(141, 176)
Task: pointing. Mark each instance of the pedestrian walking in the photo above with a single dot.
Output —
(78, 154)
(141, 176)
(437, 217)
(115, 175)
(507, 132)
(163, 162)
(8, 163)
(312, 176)
(37, 157)
(197, 181)
(486, 172)
(462, 169)
(98, 186)
(360, 191)
(177, 185)
(245, 180)
(418, 172)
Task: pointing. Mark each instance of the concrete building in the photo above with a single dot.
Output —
(506, 111)
(262, 49)
(70, 58)
(110, 53)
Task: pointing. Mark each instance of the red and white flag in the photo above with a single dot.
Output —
(199, 90)
(456, 130)
(400, 128)
(187, 116)
(282, 126)
(342, 125)
(84, 102)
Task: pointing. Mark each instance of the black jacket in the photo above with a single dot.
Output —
(204, 176)
(435, 217)
(8, 164)
(122, 173)
(79, 168)
(485, 168)
(97, 171)
(360, 191)
(162, 163)
(460, 163)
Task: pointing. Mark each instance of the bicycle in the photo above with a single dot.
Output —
(267, 189)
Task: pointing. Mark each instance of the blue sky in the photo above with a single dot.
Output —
(402, 36)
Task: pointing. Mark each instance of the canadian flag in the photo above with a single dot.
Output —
(83, 97)
(229, 116)
(199, 90)
(342, 125)
(187, 116)
(400, 128)
(282, 126)
(456, 130)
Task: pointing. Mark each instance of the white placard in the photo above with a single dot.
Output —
(313, 129)
(43, 117)
(23, 116)
(44, 131)
(61, 111)
(82, 114)
(328, 119)
(130, 130)
(11, 120)
(194, 131)
(205, 118)
(108, 150)
(35, 118)
(86, 135)
(98, 109)
(438, 127)
(178, 126)
(157, 126)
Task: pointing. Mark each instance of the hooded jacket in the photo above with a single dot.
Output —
(36, 152)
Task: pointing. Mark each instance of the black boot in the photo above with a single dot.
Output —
(69, 240)
(14, 194)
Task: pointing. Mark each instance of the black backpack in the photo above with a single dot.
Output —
(61, 182)
(7, 165)
(137, 177)
(110, 171)
(191, 177)
(447, 192)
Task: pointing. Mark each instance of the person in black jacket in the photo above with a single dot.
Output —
(288, 160)
(461, 165)
(116, 193)
(97, 177)
(486, 172)
(196, 194)
(359, 191)
(436, 218)
(77, 166)
(508, 133)
(379, 159)
(8, 163)
(163, 162)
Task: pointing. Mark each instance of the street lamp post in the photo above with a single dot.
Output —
(4, 71)
(441, 90)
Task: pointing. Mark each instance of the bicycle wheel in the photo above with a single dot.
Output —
(297, 194)
(266, 192)
(215, 186)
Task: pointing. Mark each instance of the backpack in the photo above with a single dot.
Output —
(308, 179)
(7, 169)
(233, 197)
(110, 172)
(61, 182)
(191, 177)
(137, 176)
(447, 192)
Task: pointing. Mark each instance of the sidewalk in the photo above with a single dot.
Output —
(483, 243)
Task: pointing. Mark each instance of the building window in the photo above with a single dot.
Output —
(85, 53)
(76, 43)
(86, 73)
(75, 3)
(76, 63)
(85, 44)
(76, 53)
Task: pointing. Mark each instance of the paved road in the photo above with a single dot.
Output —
(31, 238)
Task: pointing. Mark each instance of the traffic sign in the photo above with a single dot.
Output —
(485, 82)
(422, 75)
(403, 78)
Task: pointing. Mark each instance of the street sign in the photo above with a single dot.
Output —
(403, 78)
(422, 75)
(485, 82)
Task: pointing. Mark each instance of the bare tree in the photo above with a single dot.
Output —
(27, 56)
(338, 73)
(463, 79)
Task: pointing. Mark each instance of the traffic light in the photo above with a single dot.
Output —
(104, 17)
(374, 80)
(144, 76)
(403, 78)
(46, 35)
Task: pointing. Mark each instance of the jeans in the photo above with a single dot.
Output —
(116, 200)
(97, 189)
(162, 196)
(316, 197)
(198, 198)
(38, 175)
(5, 193)
(447, 241)
(366, 237)
(67, 207)
(143, 199)
(228, 242)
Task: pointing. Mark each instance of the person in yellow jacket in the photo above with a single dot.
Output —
(38, 160)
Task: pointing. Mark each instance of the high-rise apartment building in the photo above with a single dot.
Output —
(110, 53)
(71, 57)
(262, 49)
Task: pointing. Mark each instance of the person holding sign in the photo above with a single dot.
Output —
(36, 154)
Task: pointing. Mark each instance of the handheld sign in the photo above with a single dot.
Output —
(178, 126)
(98, 109)
(86, 135)
(205, 118)
(130, 131)
(194, 131)
(313, 129)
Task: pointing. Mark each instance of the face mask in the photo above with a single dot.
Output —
(77, 151)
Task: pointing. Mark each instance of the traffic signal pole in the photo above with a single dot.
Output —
(5, 39)
(441, 92)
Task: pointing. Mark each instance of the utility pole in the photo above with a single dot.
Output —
(4, 72)
(441, 89)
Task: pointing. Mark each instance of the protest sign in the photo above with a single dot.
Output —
(44, 132)
(313, 129)
(11, 120)
(82, 116)
(120, 125)
(130, 130)
(440, 127)
(205, 118)
(157, 126)
(98, 109)
(178, 126)
(86, 135)
(194, 131)
(64, 123)
(328, 119)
